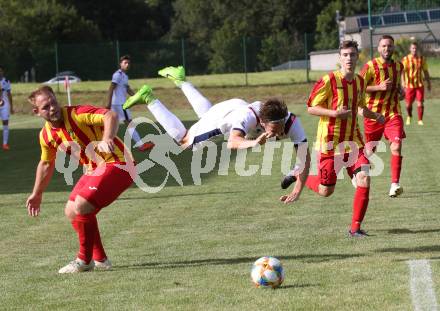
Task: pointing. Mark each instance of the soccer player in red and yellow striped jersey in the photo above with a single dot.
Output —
(90, 134)
(414, 73)
(337, 98)
(382, 79)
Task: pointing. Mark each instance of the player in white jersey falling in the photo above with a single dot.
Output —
(5, 107)
(117, 94)
(235, 118)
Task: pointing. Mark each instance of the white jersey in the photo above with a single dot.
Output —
(5, 86)
(236, 114)
(120, 92)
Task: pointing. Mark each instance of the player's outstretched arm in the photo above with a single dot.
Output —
(42, 178)
(301, 178)
(238, 141)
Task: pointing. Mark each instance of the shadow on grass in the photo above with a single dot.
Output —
(19, 165)
(409, 231)
(309, 258)
(297, 286)
(420, 249)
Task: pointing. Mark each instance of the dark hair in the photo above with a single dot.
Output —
(348, 44)
(412, 43)
(124, 57)
(46, 90)
(273, 109)
(385, 37)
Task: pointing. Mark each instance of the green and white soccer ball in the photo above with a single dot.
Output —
(267, 272)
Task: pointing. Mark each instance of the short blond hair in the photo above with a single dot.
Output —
(42, 90)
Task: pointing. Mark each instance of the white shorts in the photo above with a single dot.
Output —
(123, 115)
(213, 123)
(4, 112)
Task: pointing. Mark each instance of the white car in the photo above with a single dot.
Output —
(60, 78)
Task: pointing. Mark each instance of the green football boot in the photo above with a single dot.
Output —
(175, 74)
(143, 96)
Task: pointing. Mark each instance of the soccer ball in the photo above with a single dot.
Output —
(267, 272)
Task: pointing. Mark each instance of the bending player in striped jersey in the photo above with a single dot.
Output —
(382, 78)
(110, 169)
(415, 71)
(337, 98)
(235, 118)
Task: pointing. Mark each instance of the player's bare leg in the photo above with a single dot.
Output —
(420, 109)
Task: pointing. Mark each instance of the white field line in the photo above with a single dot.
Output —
(422, 286)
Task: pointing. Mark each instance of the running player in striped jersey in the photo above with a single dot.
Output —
(89, 133)
(414, 74)
(337, 98)
(234, 118)
(382, 77)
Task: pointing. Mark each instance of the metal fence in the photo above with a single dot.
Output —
(97, 61)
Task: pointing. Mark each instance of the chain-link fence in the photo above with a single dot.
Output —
(97, 61)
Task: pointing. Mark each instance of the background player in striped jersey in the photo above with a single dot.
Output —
(415, 71)
(117, 94)
(382, 77)
(337, 98)
(74, 129)
(6, 107)
(234, 118)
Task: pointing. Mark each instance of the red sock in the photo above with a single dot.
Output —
(409, 110)
(396, 167)
(85, 226)
(360, 205)
(313, 182)
(420, 112)
(98, 249)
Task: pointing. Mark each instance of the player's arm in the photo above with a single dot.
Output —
(427, 79)
(383, 86)
(238, 141)
(321, 111)
(42, 178)
(303, 151)
(130, 91)
(111, 125)
(110, 95)
(10, 102)
(367, 113)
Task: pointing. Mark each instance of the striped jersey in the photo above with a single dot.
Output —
(334, 92)
(82, 129)
(413, 71)
(384, 102)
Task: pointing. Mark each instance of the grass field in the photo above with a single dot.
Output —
(192, 247)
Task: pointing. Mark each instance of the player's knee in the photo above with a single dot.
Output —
(362, 179)
(69, 210)
(326, 191)
(82, 206)
(396, 148)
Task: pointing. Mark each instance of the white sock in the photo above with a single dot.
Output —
(5, 134)
(199, 102)
(172, 125)
(135, 136)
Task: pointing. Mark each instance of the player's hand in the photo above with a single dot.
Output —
(380, 118)
(106, 146)
(33, 204)
(386, 85)
(261, 140)
(342, 114)
(1, 102)
(292, 197)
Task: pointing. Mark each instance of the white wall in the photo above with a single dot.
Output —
(326, 61)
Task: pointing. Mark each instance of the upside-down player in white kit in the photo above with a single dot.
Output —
(235, 118)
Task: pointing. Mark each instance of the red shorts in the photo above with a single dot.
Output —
(328, 169)
(392, 130)
(103, 186)
(417, 93)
